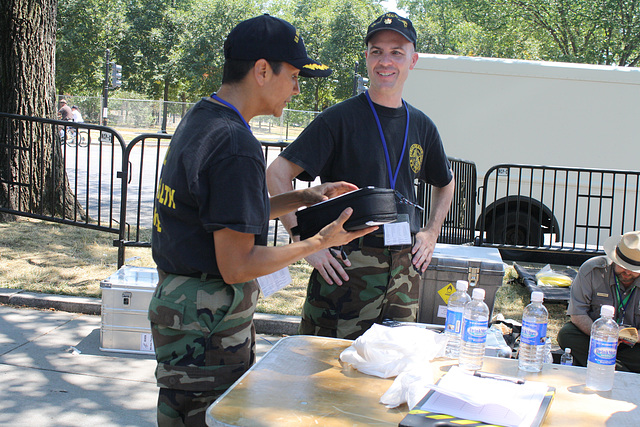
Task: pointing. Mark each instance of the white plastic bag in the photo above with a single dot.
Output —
(409, 386)
(547, 277)
(385, 352)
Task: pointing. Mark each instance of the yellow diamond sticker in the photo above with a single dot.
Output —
(446, 292)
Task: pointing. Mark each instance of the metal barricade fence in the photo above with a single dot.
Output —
(38, 148)
(112, 184)
(557, 209)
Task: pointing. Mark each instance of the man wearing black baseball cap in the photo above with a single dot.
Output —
(211, 219)
(373, 139)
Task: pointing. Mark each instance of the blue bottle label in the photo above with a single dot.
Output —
(454, 320)
(533, 333)
(602, 352)
(475, 331)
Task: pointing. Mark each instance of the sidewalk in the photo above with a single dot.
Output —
(274, 324)
(52, 372)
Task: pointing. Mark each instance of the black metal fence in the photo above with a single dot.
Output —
(557, 209)
(114, 183)
(85, 150)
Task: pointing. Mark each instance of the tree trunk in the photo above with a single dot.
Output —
(32, 174)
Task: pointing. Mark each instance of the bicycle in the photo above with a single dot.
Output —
(73, 138)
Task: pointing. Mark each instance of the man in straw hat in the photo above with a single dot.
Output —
(606, 280)
(211, 219)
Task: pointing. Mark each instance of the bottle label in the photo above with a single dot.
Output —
(602, 352)
(533, 333)
(454, 320)
(475, 331)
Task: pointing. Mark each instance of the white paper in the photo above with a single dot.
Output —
(146, 342)
(442, 311)
(397, 233)
(463, 395)
(273, 282)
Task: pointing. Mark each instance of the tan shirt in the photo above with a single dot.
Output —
(595, 286)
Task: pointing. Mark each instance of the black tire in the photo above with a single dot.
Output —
(515, 229)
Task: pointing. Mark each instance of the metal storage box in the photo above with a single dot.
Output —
(125, 303)
(481, 267)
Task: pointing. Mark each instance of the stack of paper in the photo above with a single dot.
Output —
(498, 400)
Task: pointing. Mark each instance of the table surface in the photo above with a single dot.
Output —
(300, 382)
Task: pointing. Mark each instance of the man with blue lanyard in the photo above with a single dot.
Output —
(606, 280)
(211, 218)
(373, 139)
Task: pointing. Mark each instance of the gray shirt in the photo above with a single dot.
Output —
(595, 286)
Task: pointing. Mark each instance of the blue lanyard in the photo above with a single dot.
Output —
(392, 176)
(228, 104)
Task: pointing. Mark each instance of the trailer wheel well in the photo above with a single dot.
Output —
(522, 219)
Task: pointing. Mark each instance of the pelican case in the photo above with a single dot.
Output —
(371, 206)
(481, 267)
(126, 295)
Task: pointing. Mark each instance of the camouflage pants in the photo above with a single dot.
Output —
(383, 284)
(204, 341)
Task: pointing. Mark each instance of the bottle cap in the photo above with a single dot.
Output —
(607, 311)
(567, 350)
(537, 296)
(462, 285)
(478, 294)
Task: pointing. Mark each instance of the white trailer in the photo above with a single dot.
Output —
(501, 111)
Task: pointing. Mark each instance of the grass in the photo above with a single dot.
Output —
(39, 256)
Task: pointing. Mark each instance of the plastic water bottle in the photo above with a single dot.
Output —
(474, 332)
(455, 311)
(533, 335)
(603, 346)
(566, 358)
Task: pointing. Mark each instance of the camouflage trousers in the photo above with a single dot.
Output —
(383, 284)
(204, 340)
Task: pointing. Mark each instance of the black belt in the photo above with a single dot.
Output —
(377, 241)
(200, 275)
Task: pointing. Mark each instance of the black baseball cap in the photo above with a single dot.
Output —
(394, 22)
(273, 39)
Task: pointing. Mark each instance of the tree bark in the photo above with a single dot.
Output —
(32, 174)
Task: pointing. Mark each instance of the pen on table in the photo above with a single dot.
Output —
(498, 377)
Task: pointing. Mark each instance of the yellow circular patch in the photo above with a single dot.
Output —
(415, 157)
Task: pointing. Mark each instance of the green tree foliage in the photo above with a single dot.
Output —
(173, 50)
(202, 38)
(333, 33)
(85, 29)
(596, 32)
(150, 51)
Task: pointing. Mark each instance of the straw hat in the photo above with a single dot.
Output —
(625, 250)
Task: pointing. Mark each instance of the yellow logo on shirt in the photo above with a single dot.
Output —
(416, 153)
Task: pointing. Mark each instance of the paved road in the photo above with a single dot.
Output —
(93, 171)
(52, 373)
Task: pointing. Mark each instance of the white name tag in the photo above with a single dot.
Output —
(273, 282)
(397, 233)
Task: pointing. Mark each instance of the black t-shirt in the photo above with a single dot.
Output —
(343, 144)
(213, 177)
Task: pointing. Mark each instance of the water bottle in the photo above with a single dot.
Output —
(603, 347)
(533, 335)
(455, 311)
(566, 358)
(474, 332)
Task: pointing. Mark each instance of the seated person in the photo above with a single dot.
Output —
(606, 280)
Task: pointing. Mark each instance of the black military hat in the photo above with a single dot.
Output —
(273, 39)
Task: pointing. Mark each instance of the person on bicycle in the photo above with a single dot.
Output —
(77, 117)
(65, 113)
